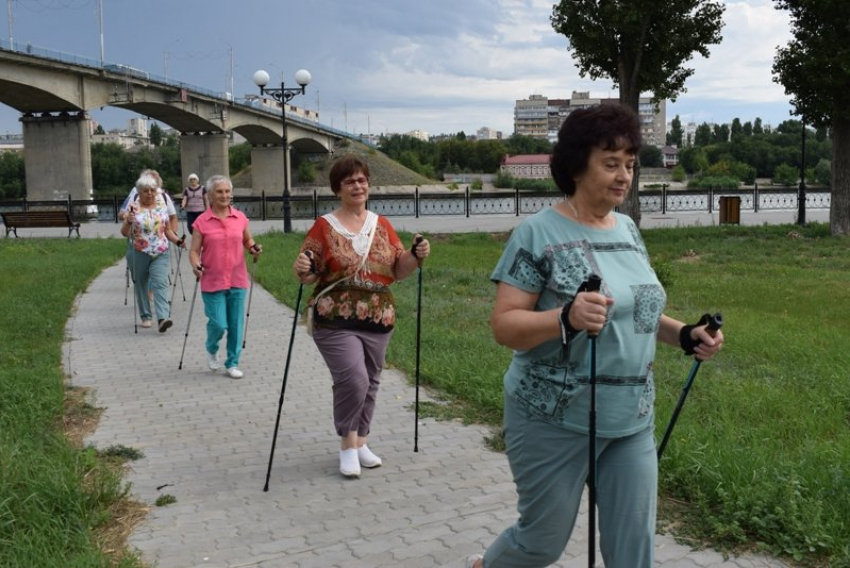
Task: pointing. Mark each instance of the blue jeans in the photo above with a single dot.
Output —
(150, 273)
(226, 312)
(550, 467)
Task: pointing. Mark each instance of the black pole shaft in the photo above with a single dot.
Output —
(594, 284)
(248, 310)
(283, 385)
(679, 406)
(591, 469)
(189, 322)
(418, 346)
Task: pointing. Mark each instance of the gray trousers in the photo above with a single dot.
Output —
(550, 467)
(355, 359)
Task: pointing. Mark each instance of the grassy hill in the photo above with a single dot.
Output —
(384, 171)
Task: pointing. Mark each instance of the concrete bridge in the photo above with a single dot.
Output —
(55, 91)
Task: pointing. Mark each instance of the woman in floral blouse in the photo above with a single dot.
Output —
(148, 224)
(354, 257)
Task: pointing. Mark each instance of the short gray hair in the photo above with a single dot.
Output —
(146, 180)
(211, 183)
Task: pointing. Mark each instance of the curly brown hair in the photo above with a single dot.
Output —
(610, 126)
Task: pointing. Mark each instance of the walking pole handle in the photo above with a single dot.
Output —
(593, 284)
(309, 254)
(715, 322)
(416, 241)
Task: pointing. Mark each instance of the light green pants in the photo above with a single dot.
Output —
(550, 467)
(150, 273)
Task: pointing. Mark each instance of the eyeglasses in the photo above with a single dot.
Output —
(355, 181)
(148, 190)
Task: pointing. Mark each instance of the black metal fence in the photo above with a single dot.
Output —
(459, 203)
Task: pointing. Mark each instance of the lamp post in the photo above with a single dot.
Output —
(801, 194)
(283, 95)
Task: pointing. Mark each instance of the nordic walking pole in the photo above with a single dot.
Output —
(180, 274)
(133, 273)
(594, 283)
(189, 323)
(714, 323)
(179, 277)
(286, 369)
(248, 310)
(416, 241)
(126, 280)
(135, 310)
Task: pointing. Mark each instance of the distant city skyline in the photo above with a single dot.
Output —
(441, 67)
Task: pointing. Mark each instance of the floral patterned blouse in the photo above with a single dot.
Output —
(149, 228)
(365, 300)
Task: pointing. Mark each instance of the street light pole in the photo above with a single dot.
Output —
(801, 194)
(283, 95)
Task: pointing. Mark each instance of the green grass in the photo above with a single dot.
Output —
(761, 453)
(53, 497)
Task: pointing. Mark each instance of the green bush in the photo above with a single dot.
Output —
(786, 175)
(306, 172)
(714, 182)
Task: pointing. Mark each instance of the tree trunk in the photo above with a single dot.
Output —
(630, 97)
(839, 212)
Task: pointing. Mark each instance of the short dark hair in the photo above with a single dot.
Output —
(609, 126)
(344, 167)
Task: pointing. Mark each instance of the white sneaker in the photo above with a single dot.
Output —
(212, 361)
(367, 458)
(349, 464)
(234, 373)
(472, 559)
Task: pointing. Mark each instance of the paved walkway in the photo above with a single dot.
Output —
(206, 441)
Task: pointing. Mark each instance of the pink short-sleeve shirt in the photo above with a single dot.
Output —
(222, 252)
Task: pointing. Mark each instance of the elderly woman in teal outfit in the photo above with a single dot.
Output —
(541, 313)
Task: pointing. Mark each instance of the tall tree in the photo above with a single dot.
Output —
(703, 135)
(155, 135)
(641, 45)
(814, 69)
(676, 133)
(737, 130)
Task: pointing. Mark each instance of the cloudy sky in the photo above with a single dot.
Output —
(384, 66)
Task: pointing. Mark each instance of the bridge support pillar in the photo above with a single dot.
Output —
(205, 154)
(267, 170)
(58, 156)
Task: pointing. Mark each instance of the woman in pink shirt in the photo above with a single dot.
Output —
(217, 259)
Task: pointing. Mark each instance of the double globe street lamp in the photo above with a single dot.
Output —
(283, 95)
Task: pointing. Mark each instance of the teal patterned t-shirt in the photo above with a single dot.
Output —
(550, 255)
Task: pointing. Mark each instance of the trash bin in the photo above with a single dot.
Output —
(730, 209)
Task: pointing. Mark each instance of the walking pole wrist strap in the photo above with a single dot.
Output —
(567, 330)
(688, 343)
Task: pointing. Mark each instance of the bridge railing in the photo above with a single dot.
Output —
(459, 203)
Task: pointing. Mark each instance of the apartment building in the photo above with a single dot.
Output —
(541, 117)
